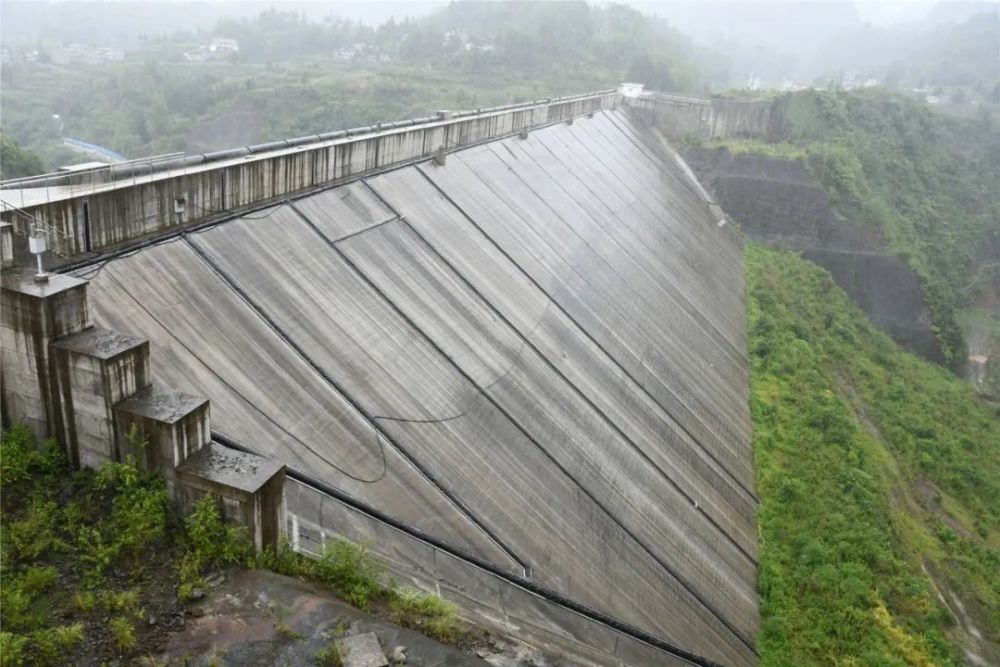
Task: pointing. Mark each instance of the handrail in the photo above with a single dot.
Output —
(125, 170)
(544, 592)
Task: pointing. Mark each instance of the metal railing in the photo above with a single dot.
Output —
(485, 593)
(90, 180)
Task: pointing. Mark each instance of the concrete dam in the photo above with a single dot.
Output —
(513, 360)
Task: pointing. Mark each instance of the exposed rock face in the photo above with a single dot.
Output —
(777, 201)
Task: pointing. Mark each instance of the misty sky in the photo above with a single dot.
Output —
(785, 29)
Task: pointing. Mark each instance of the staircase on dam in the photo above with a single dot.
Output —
(523, 339)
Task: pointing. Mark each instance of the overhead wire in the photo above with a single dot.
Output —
(235, 390)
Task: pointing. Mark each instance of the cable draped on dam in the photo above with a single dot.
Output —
(535, 351)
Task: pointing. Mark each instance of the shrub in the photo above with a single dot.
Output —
(35, 534)
(348, 569)
(21, 457)
(209, 543)
(37, 579)
(139, 516)
(430, 613)
(123, 633)
(85, 601)
(210, 540)
(95, 553)
(18, 614)
(121, 602)
(51, 646)
(13, 649)
(329, 656)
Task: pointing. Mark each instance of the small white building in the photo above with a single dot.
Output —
(631, 89)
(224, 45)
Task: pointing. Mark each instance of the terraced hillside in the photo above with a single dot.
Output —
(535, 351)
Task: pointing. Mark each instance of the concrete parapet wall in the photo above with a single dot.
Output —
(92, 217)
(679, 116)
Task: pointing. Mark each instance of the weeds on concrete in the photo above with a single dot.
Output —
(329, 656)
(429, 613)
(344, 566)
(354, 575)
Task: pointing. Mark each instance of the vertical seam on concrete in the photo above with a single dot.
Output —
(604, 417)
(259, 311)
(679, 398)
(738, 635)
(709, 328)
(587, 333)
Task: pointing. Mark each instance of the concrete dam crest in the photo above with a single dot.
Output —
(531, 348)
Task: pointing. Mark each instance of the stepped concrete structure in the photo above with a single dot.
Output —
(505, 349)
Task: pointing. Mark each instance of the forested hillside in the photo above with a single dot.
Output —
(293, 76)
(16, 162)
(926, 183)
(879, 475)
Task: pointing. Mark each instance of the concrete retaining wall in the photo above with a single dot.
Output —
(88, 217)
(781, 203)
(680, 117)
(481, 596)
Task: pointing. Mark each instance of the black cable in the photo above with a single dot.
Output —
(284, 336)
(525, 342)
(378, 437)
(479, 563)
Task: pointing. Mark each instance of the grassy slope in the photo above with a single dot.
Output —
(872, 465)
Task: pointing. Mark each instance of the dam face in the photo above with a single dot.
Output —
(532, 349)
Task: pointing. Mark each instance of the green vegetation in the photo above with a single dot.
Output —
(85, 546)
(104, 550)
(347, 568)
(210, 543)
(16, 162)
(879, 475)
(329, 656)
(293, 77)
(928, 184)
(432, 615)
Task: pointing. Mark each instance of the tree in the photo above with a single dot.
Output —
(16, 162)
